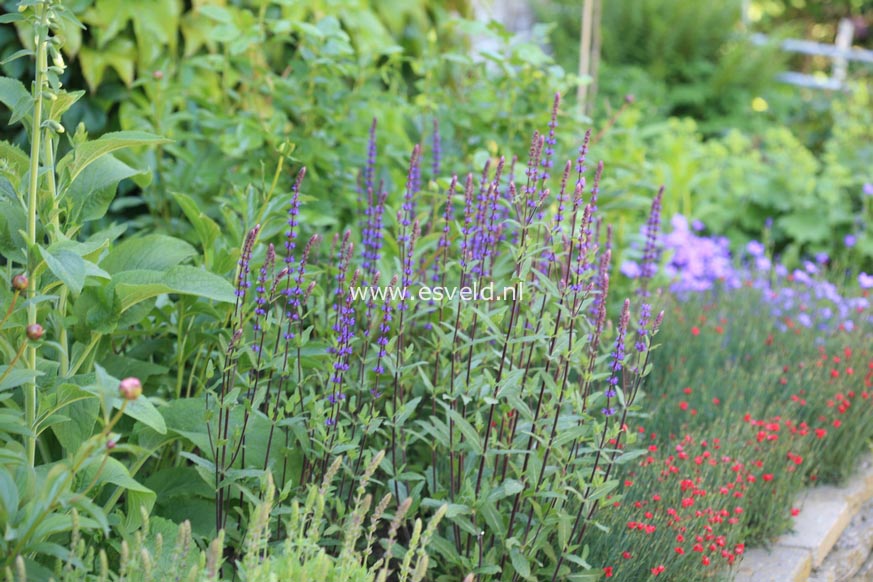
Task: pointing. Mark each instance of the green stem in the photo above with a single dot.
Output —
(63, 338)
(12, 363)
(36, 133)
(94, 339)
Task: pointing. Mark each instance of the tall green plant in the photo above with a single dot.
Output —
(78, 287)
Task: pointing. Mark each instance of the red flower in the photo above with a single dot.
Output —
(695, 331)
(657, 570)
(795, 512)
(607, 572)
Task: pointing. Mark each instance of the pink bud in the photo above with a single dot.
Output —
(130, 388)
(34, 332)
(20, 282)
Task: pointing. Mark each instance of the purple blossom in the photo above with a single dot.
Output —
(868, 189)
(437, 149)
(630, 269)
(756, 249)
(865, 281)
(650, 252)
(850, 240)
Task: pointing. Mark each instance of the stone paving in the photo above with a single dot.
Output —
(832, 539)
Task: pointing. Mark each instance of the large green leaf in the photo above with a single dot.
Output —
(133, 287)
(81, 409)
(90, 194)
(137, 495)
(75, 162)
(16, 377)
(67, 266)
(155, 252)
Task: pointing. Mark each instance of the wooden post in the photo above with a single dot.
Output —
(843, 41)
(585, 52)
(595, 58)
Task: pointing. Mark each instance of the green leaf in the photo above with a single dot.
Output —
(17, 377)
(15, 97)
(75, 162)
(137, 496)
(135, 286)
(155, 252)
(206, 228)
(62, 103)
(9, 497)
(82, 414)
(520, 563)
(11, 17)
(144, 411)
(90, 194)
(120, 55)
(67, 266)
(471, 436)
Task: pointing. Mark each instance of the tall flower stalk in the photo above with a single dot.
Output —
(43, 11)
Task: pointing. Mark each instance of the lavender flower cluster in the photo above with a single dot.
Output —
(697, 263)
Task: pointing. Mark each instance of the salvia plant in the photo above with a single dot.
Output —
(468, 337)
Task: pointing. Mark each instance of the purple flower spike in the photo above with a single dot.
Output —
(437, 150)
(650, 253)
(550, 141)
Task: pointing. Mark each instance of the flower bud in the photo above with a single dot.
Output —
(158, 75)
(130, 388)
(659, 320)
(34, 331)
(20, 282)
(110, 444)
